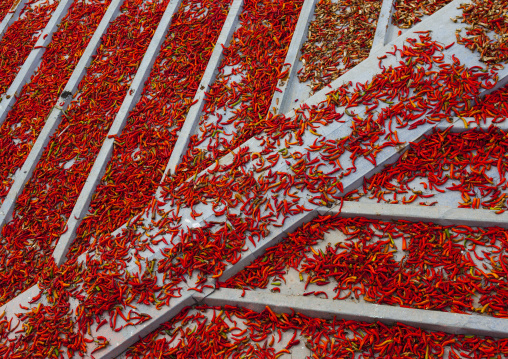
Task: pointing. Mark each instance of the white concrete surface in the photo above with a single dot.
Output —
(383, 22)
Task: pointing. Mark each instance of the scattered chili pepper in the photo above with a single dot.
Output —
(20, 38)
(239, 100)
(236, 332)
(409, 12)
(484, 19)
(25, 120)
(339, 38)
(472, 163)
(260, 187)
(434, 271)
(145, 145)
(5, 6)
(49, 196)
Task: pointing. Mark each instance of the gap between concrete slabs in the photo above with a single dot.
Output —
(99, 166)
(33, 60)
(328, 309)
(212, 69)
(11, 16)
(53, 120)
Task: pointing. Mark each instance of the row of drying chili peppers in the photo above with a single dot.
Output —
(20, 38)
(484, 19)
(407, 13)
(418, 265)
(239, 99)
(231, 184)
(49, 196)
(143, 149)
(472, 163)
(244, 203)
(25, 120)
(340, 37)
(5, 7)
(235, 332)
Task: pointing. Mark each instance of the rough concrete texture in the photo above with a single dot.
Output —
(383, 22)
(439, 214)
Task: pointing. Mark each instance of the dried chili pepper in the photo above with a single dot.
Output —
(27, 117)
(339, 38)
(20, 38)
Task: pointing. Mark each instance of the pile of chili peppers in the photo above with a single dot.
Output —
(49, 196)
(484, 19)
(339, 38)
(142, 150)
(5, 6)
(493, 106)
(20, 38)
(239, 100)
(426, 266)
(25, 120)
(249, 194)
(232, 332)
(472, 163)
(408, 13)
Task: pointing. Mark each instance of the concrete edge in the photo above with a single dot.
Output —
(383, 23)
(11, 16)
(53, 120)
(462, 124)
(122, 340)
(442, 215)
(192, 118)
(33, 60)
(99, 167)
(345, 78)
(279, 99)
(328, 308)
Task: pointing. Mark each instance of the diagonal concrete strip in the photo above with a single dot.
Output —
(33, 60)
(132, 97)
(11, 16)
(328, 309)
(55, 115)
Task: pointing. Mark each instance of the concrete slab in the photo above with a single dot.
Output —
(33, 60)
(212, 69)
(439, 214)
(327, 309)
(53, 120)
(11, 16)
(383, 22)
(279, 99)
(99, 167)
(443, 31)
